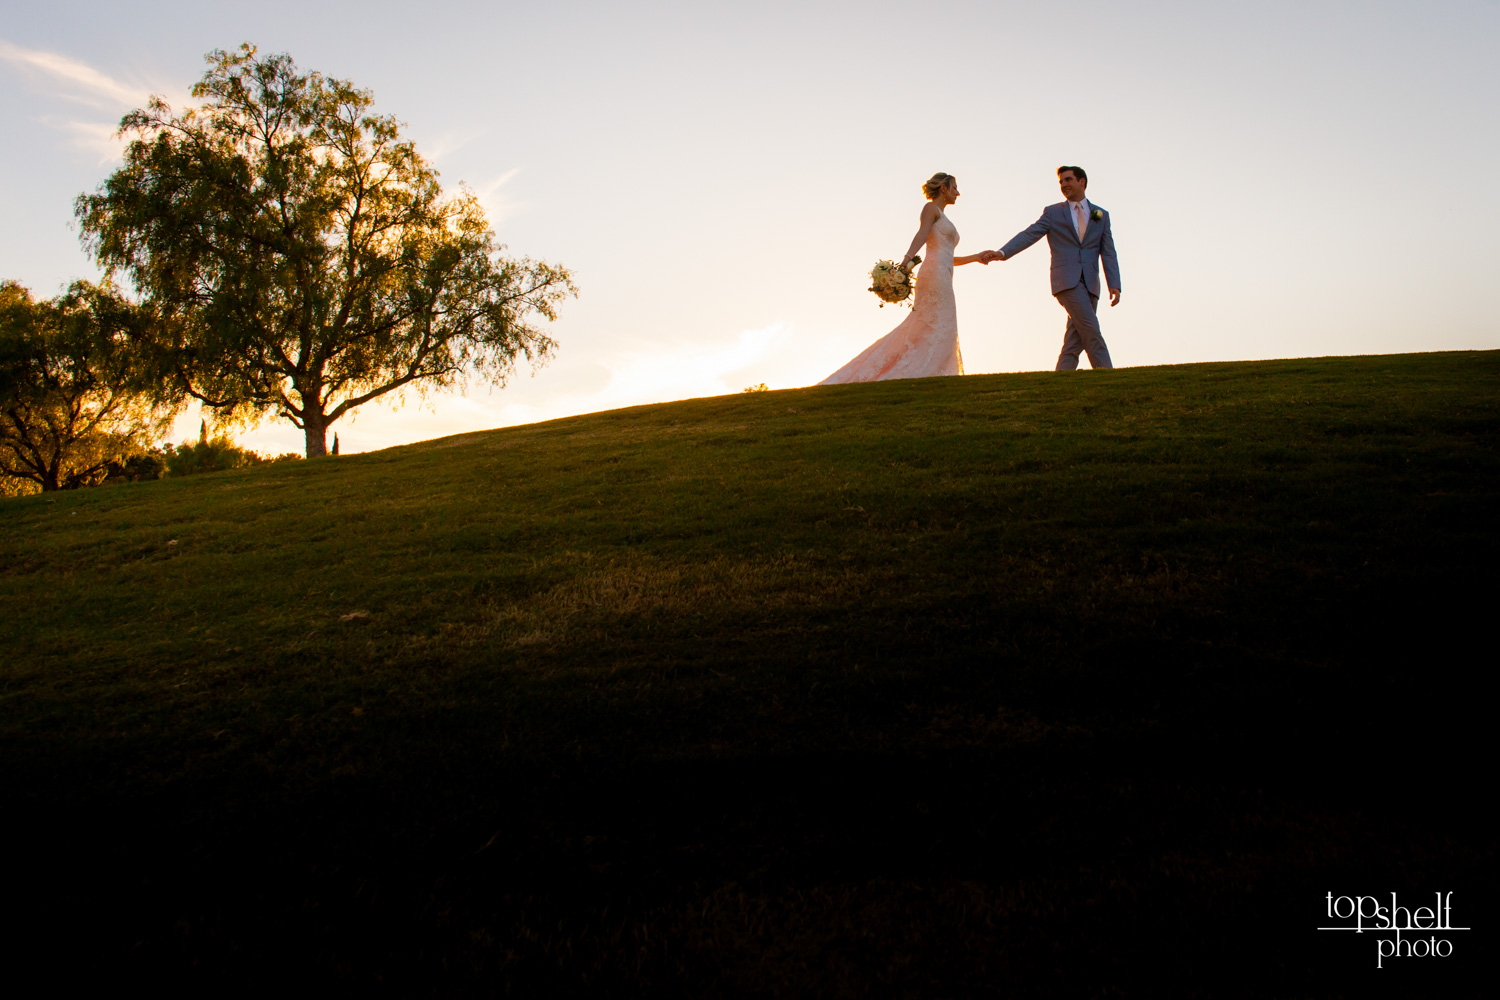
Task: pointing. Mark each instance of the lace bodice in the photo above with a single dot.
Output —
(942, 240)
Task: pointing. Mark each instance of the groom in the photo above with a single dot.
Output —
(1079, 236)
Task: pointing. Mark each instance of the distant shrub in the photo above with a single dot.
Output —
(151, 465)
(215, 455)
(147, 465)
(762, 387)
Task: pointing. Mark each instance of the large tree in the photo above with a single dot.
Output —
(77, 392)
(299, 255)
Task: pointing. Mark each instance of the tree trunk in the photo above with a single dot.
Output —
(315, 427)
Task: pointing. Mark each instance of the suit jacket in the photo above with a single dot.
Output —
(1072, 261)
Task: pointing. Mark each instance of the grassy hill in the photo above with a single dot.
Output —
(936, 687)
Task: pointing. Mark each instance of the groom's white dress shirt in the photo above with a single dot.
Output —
(1080, 219)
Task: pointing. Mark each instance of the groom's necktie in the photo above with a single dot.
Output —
(1080, 221)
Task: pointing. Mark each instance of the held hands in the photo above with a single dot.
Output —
(983, 257)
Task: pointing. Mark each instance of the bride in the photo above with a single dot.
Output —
(926, 342)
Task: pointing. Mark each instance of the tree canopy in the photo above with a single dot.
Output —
(299, 257)
(77, 392)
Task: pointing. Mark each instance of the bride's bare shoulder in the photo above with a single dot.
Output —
(930, 212)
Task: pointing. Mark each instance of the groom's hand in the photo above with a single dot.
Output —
(1114, 296)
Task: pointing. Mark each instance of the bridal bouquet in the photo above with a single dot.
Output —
(891, 281)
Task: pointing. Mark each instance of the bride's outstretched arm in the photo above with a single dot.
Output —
(930, 214)
(973, 258)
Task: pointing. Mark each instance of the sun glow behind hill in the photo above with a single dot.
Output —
(628, 378)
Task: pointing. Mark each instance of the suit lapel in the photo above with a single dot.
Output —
(1089, 210)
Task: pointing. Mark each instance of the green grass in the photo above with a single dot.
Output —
(937, 687)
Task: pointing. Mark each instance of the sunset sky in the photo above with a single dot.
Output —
(1285, 178)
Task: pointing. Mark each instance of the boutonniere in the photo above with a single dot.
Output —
(1097, 214)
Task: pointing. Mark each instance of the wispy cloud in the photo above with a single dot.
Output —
(496, 205)
(72, 79)
(102, 139)
(448, 143)
(62, 78)
(494, 185)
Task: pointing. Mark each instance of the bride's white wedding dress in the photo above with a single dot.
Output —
(926, 342)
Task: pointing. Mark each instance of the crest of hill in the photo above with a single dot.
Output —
(613, 688)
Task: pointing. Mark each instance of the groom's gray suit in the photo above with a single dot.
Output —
(1075, 276)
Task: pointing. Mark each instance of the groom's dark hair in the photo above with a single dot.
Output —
(1077, 172)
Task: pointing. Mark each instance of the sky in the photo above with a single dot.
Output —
(1291, 178)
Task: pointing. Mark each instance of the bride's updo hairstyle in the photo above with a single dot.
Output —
(935, 184)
